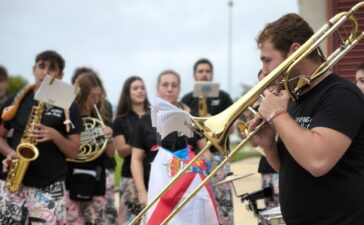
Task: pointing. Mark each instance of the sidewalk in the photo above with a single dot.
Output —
(243, 216)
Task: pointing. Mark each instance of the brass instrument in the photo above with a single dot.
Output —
(26, 150)
(202, 106)
(216, 128)
(93, 142)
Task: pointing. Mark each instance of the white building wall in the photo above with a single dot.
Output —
(315, 13)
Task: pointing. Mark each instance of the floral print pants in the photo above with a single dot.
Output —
(129, 205)
(222, 193)
(271, 180)
(85, 213)
(33, 205)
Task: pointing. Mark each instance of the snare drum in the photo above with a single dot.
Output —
(271, 216)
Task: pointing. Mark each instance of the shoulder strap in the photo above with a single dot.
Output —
(10, 111)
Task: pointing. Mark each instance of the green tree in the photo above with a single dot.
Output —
(15, 84)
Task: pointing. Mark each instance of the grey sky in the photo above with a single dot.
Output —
(119, 38)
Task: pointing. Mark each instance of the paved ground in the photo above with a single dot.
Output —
(242, 216)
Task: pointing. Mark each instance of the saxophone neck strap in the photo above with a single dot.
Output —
(10, 111)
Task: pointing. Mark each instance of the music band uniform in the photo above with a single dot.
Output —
(81, 191)
(86, 180)
(319, 121)
(44, 179)
(125, 125)
(215, 105)
(111, 214)
(145, 137)
(97, 165)
(325, 194)
(335, 198)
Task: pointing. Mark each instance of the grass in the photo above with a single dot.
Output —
(119, 163)
(246, 152)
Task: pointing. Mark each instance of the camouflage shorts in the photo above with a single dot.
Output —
(222, 193)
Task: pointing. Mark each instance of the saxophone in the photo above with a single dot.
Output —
(202, 106)
(26, 150)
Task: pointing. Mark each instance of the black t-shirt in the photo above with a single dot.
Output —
(264, 166)
(336, 197)
(214, 106)
(98, 165)
(145, 137)
(125, 126)
(50, 166)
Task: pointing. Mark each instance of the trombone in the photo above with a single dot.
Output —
(216, 128)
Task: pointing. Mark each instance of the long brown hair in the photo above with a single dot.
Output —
(85, 83)
(290, 28)
(124, 105)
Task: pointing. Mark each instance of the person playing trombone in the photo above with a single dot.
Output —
(319, 152)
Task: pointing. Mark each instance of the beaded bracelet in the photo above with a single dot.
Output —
(275, 114)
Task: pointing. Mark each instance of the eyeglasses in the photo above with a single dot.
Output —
(96, 96)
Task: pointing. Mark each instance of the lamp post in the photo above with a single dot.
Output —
(230, 43)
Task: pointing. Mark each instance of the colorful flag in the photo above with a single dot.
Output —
(200, 210)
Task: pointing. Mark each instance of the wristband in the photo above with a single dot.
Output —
(275, 114)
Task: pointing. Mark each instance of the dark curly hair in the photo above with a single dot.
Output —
(289, 29)
(360, 67)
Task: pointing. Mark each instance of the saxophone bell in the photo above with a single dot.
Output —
(26, 151)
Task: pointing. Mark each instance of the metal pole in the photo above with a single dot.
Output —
(230, 43)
